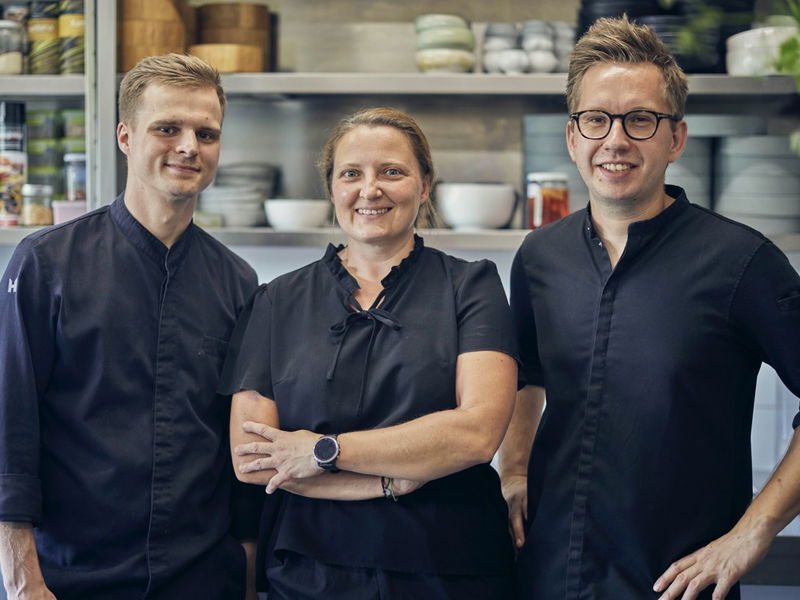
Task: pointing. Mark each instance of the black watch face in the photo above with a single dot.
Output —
(325, 450)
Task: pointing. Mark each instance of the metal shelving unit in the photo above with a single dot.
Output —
(278, 85)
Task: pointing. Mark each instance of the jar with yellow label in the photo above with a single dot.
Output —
(70, 33)
(37, 204)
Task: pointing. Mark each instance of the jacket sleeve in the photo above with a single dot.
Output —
(28, 313)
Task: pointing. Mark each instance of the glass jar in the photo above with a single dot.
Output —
(75, 176)
(547, 198)
(37, 204)
(12, 46)
(13, 158)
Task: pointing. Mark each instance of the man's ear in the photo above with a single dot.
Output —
(123, 137)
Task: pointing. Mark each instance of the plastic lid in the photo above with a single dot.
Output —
(545, 176)
(75, 157)
(36, 189)
(12, 112)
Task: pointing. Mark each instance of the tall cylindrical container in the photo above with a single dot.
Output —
(43, 38)
(70, 33)
(13, 160)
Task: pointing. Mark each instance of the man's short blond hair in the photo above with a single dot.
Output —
(177, 70)
(617, 40)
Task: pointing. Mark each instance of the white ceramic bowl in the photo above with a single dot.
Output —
(291, 214)
(444, 60)
(428, 21)
(445, 37)
(757, 185)
(755, 61)
(759, 37)
(474, 206)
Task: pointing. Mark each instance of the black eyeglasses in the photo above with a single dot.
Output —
(638, 124)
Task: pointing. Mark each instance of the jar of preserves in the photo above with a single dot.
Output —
(75, 176)
(547, 198)
(12, 47)
(37, 204)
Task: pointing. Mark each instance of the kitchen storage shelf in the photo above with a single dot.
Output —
(498, 239)
(27, 87)
(473, 84)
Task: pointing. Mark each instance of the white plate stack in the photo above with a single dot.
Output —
(759, 183)
(692, 171)
(545, 148)
(240, 206)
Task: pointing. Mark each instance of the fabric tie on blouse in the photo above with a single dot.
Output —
(339, 332)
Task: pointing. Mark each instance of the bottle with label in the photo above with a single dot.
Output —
(547, 199)
(13, 158)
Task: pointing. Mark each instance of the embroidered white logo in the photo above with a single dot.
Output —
(12, 285)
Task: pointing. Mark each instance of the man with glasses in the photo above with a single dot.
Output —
(646, 319)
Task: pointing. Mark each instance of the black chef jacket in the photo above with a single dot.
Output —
(113, 441)
(332, 369)
(643, 452)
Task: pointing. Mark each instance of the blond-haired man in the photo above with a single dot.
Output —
(115, 475)
(646, 320)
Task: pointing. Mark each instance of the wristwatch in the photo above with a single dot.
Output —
(326, 451)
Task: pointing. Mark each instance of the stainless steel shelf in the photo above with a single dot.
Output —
(508, 239)
(476, 84)
(494, 240)
(38, 86)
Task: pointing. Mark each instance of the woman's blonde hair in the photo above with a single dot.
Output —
(384, 117)
(178, 70)
(617, 40)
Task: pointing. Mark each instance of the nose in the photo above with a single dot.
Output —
(187, 143)
(616, 136)
(371, 189)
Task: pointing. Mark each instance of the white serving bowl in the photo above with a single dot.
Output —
(474, 206)
(759, 37)
(243, 216)
(756, 61)
(291, 214)
(747, 184)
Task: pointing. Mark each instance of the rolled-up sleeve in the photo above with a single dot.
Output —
(28, 315)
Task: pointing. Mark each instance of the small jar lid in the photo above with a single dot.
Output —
(37, 189)
(7, 24)
(546, 176)
(75, 157)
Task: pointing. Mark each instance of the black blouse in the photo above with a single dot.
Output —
(643, 452)
(333, 369)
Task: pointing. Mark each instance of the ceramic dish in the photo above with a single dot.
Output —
(429, 21)
(444, 60)
(760, 204)
(473, 206)
(445, 37)
(291, 214)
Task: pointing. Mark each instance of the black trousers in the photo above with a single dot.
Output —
(300, 578)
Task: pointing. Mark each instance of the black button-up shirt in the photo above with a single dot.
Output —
(113, 441)
(331, 368)
(643, 452)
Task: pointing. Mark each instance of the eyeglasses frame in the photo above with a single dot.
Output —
(621, 116)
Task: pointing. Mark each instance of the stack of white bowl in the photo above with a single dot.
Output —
(545, 149)
(445, 43)
(692, 171)
(759, 183)
(264, 177)
(240, 206)
(538, 40)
